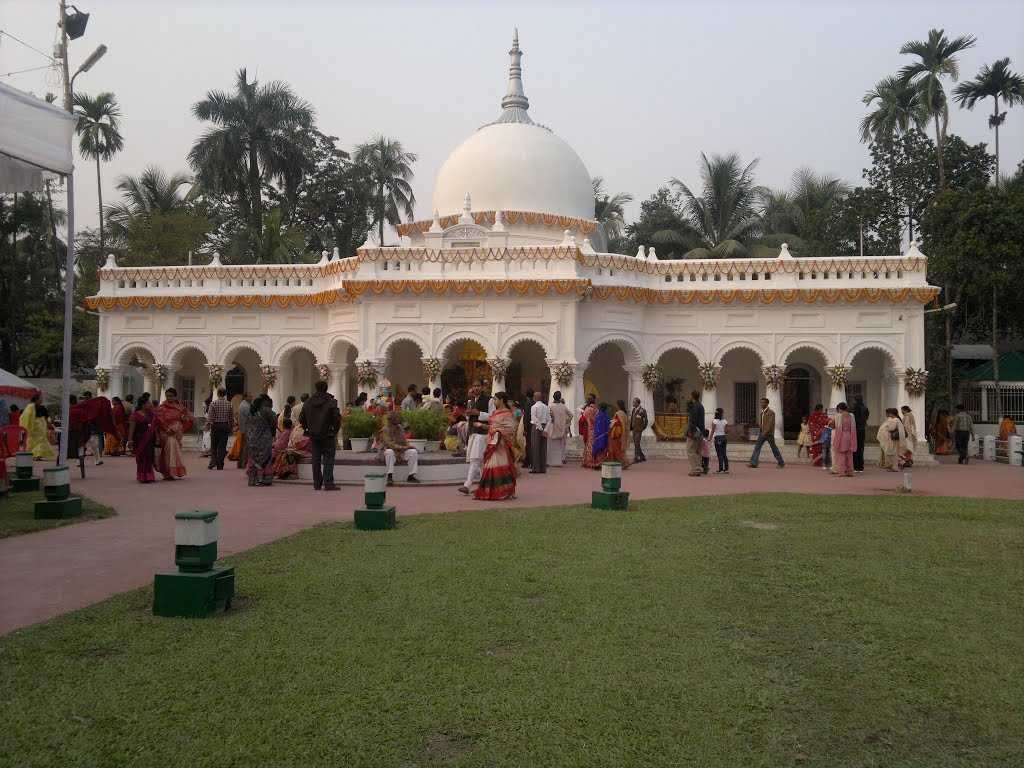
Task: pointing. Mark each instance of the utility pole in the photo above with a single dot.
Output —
(995, 356)
(69, 267)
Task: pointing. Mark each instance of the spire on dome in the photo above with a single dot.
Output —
(515, 104)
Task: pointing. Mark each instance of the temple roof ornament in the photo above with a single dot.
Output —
(514, 104)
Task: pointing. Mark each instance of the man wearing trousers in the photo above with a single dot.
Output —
(963, 433)
(475, 447)
(321, 418)
(860, 418)
(539, 418)
(637, 425)
(767, 424)
(219, 416)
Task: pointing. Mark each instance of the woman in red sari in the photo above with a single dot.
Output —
(498, 478)
(816, 422)
(115, 440)
(172, 422)
(142, 439)
(587, 426)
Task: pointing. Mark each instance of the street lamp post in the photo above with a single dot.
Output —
(69, 267)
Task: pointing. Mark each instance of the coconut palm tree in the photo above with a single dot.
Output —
(99, 135)
(796, 215)
(610, 210)
(725, 213)
(897, 109)
(257, 139)
(937, 58)
(390, 169)
(995, 82)
(142, 196)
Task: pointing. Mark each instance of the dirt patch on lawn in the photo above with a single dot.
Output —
(761, 526)
(446, 747)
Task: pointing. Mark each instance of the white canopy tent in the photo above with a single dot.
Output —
(35, 138)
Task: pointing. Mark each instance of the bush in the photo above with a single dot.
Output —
(359, 423)
(425, 423)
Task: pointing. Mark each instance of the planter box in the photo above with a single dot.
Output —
(419, 445)
(359, 444)
(609, 500)
(432, 446)
(381, 519)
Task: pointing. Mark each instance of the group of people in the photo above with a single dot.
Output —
(607, 432)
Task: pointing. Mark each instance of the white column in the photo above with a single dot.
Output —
(984, 403)
(894, 394)
(774, 395)
(573, 396)
(637, 388)
(114, 388)
(709, 399)
(338, 385)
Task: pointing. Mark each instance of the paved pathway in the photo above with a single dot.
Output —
(49, 573)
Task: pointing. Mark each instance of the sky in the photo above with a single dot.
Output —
(638, 89)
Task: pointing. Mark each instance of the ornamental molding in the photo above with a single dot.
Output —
(481, 218)
(466, 232)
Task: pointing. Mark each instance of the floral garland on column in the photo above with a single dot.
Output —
(367, 373)
(652, 375)
(323, 372)
(563, 373)
(431, 367)
(916, 381)
(774, 375)
(160, 373)
(102, 379)
(269, 374)
(709, 373)
(499, 367)
(838, 374)
(215, 373)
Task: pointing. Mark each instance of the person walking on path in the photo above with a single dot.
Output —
(637, 424)
(241, 454)
(910, 424)
(860, 418)
(963, 433)
(320, 418)
(498, 478)
(540, 417)
(219, 418)
(142, 439)
(558, 430)
(766, 422)
(261, 428)
(718, 425)
(844, 440)
(694, 432)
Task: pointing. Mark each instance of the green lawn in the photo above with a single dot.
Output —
(770, 630)
(16, 511)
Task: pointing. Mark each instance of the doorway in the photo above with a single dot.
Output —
(796, 400)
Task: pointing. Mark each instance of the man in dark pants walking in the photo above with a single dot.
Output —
(321, 418)
(963, 433)
(219, 416)
(860, 418)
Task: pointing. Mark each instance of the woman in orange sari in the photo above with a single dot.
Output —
(618, 438)
(115, 440)
(172, 422)
(498, 478)
(942, 433)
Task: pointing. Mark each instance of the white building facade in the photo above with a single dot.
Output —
(507, 282)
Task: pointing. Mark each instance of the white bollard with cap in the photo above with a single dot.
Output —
(988, 448)
(1016, 448)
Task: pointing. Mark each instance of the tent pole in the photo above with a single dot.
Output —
(69, 267)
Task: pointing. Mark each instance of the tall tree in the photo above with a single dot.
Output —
(257, 139)
(725, 212)
(937, 58)
(390, 169)
(142, 196)
(610, 211)
(896, 108)
(804, 215)
(995, 82)
(661, 223)
(99, 131)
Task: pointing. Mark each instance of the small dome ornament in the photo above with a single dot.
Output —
(111, 262)
(335, 254)
(467, 206)
(435, 225)
(499, 225)
(215, 261)
(913, 252)
(323, 257)
(784, 252)
(651, 255)
(640, 253)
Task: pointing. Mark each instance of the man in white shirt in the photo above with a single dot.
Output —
(475, 448)
(540, 415)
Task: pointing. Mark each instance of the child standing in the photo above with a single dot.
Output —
(705, 452)
(825, 441)
(803, 440)
(718, 425)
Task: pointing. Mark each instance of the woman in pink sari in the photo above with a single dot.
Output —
(498, 478)
(142, 439)
(172, 422)
(844, 441)
(816, 422)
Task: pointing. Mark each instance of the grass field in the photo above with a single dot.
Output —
(772, 630)
(17, 508)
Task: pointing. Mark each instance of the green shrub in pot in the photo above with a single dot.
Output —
(425, 423)
(358, 423)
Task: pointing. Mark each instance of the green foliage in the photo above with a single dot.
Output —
(610, 212)
(359, 422)
(17, 514)
(661, 224)
(99, 130)
(812, 631)
(425, 423)
(390, 170)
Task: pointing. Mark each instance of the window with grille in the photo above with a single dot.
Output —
(855, 389)
(187, 392)
(745, 402)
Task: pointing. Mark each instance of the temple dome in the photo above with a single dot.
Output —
(513, 164)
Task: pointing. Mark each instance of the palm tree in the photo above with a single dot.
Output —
(937, 58)
(725, 213)
(390, 169)
(256, 139)
(99, 135)
(995, 82)
(898, 108)
(142, 196)
(610, 210)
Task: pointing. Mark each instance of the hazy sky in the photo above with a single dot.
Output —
(638, 89)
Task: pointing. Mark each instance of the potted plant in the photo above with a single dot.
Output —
(359, 427)
(425, 425)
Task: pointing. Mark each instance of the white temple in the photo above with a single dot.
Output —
(507, 282)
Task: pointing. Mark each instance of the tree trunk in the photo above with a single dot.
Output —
(938, 152)
(380, 214)
(949, 350)
(99, 199)
(255, 197)
(995, 124)
(995, 356)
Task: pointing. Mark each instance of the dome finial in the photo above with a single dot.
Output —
(515, 98)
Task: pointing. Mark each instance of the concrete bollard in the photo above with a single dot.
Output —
(611, 495)
(199, 588)
(23, 480)
(988, 448)
(59, 502)
(375, 515)
(1016, 447)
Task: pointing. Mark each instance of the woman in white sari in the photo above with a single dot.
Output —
(561, 418)
(892, 440)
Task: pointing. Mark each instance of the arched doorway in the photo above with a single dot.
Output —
(346, 353)
(191, 378)
(740, 387)
(802, 389)
(404, 367)
(135, 365)
(242, 372)
(528, 369)
(296, 374)
(680, 375)
(464, 363)
(871, 377)
(605, 376)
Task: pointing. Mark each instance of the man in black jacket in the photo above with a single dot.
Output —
(321, 419)
(860, 419)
